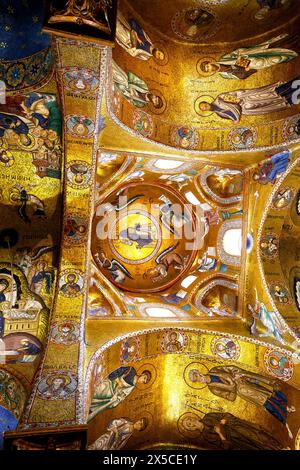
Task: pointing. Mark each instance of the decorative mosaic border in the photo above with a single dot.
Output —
(259, 259)
(21, 74)
(138, 333)
(80, 364)
(80, 369)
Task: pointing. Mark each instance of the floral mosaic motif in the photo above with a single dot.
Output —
(143, 123)
(78, 80)
(27, 72)
(268, 245)
(174, 341)
(66, 332)
(71, 283)
(278, 364)
(184, 137)
(75, 229)
(242, 138)
(80, 126)
(57, 385)
(15, 74)
(79, 174)
(225, 348)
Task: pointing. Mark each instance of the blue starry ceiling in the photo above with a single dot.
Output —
(20, 28)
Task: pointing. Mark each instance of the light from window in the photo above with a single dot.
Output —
(167, 164)
(188, 281)
(192, 198)
(232, 241)
(160, 312)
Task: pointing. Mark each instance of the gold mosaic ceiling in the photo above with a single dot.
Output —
(243, 292)
(187, 75)
(217, 21)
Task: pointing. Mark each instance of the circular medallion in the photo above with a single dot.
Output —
(195, 24)
(6, 158)
(278, 364)
(66, 332)
(226, 348)
(79, 174)
(79, 126)
(202, 105)
(184, 137)
(71, 283)
(280, 294)
(191, 371)
(207, 66)
(149, 371)
(242, 138)
(75, 229)
(57, 385)
(162, 57)
(142, 123)
(283, 198)
(140, 240)
(187, 425)
(138, 230)
(29, 144)
(78, 80)
(157, 103)
(291, 128)
(174, 342)
(130, 350)
(269, 244)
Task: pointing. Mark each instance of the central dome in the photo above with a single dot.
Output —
(143, 237)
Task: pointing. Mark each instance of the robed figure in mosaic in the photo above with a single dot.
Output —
(230, 382)
(115, 388)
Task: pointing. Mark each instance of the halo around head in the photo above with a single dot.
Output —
(201, 66)
(203, 99)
